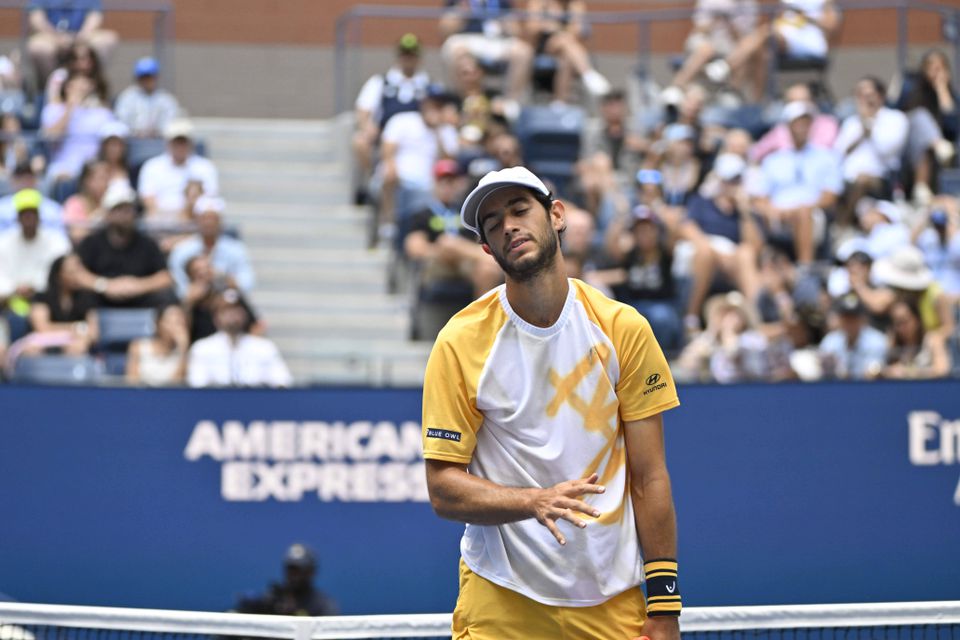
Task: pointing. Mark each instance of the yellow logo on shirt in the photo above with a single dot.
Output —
(598, 414)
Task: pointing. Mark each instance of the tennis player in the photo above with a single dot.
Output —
(542, 431)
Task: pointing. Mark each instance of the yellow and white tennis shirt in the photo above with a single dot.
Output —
(528, 406)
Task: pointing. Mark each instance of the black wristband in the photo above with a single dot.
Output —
(663, 588)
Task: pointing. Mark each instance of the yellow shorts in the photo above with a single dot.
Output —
(487, 611)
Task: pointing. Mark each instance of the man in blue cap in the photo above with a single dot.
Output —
(143, 106)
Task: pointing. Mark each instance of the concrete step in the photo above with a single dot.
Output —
(312, 301)
(309, 257)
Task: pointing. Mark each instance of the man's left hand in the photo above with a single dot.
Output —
(661, 628)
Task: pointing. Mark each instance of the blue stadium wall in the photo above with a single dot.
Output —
(187, 499)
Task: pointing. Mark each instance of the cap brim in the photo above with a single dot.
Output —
(471, 206)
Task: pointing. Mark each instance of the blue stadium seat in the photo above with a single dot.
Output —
(57, 370)
(550, 139)
(949, 181)
(118, 327)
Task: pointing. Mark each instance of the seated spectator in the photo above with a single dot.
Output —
(113, 150)
(730, 349)
(144, 107)
(164, 179)
(26, 254)
(679, 165)
(296, 595)
(579, 243)
(63, 317)
(56, 26)
(413, 141)
(643, 277)
(854, 350)
(823, 129)
(233, 357)
(123, 266)
(445, 251)
(227, 255)
(802, 30)
(870, 143)
(718, 25)
(725, 237)
(903, 275)
(203, 289)
(485, 30)
(83, 210)
(73, 127)
(938, 238)
(608, 150)
(931, 106)
(13, 147)
(79, 59)
(882, 224)
(557, 29)
(23, 178)
(161, 360)
(854, 266)
(796, 186)
(913, 352)
(383, 96)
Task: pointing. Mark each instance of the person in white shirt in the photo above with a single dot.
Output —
(871, 142)
(143, 106)
(233, 358)
(412, 144)
(163, 179)
(26, 253)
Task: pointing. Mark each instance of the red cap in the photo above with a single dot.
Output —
(446, 167)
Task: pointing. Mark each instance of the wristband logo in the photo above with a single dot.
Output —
(671, 587)
(934, 440)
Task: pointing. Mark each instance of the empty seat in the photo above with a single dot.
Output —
(550, 138)
(118, 327)
(57, 370)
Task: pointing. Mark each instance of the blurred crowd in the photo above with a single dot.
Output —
(766, 235)
(114, 250)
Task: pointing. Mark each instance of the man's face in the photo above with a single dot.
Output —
(448, 189)
(230, 318)
(208, 224)
(519, 233)
(850, 324)
(408, 63)
(200, 270)
(180, 149)
(868, 99)
(646, 234)
(613, 111)
(298, 578)
(29, 222)
(432, 112)
(148, 83)
(800, 130)
(506, 149)
(122, 219)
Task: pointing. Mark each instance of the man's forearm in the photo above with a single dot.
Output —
(655, 517)
(458, 495)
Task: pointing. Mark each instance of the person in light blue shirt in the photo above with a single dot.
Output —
(796, 186)
(855, 350)
(227, 255)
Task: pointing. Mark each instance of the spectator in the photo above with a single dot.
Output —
(161, 360)
(56, 26)
(227, 255)
(113, 150)
(796, 187)
(823, 129)
(164, 179)
(51, 213)
(13, 148)
(83, 209)
(931, 107)
(725, 237)
(643, 277)
(144, 107)
(854, 350)
(63, 317)
(802, 30)
(79, 59)
(203, 289)
(718, 25)
(412, 143)
(870, 143)
(26, 254)
(730, 349)
(579, 242)
(903, 275)
(484, 30)
(914, 353)
(233, 357)
(679, 166)
(446, 252)
(854, 266)
(937, 236)
(383, 96)
(557, 29)
(882, 224)
(120, 264)
(296, 595)
(74, 126)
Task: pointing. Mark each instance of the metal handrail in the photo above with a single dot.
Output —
(348, 27)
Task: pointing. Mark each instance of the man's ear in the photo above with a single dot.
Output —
(558, 213)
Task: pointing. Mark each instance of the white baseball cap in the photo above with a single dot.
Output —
(796, 109)
(209, 203)
(728, 166)
(118, 193)
(493, 181)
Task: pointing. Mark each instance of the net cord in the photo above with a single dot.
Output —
(694, 619)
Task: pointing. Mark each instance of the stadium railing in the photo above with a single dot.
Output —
(20, 621)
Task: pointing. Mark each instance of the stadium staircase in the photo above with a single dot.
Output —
(322, 293)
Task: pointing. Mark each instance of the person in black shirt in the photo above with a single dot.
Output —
(296, 595)
(63, 317)
(124, 267)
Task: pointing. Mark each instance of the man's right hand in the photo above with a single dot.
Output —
(561, 502)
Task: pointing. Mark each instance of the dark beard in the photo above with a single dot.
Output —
(527, 271)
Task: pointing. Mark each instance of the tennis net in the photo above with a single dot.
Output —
(913, 620)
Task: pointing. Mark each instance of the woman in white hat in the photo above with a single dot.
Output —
(906, 277)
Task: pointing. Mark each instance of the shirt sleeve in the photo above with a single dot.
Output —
(369, 97)
(646, 385)
(451, 419)
(147, 183)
